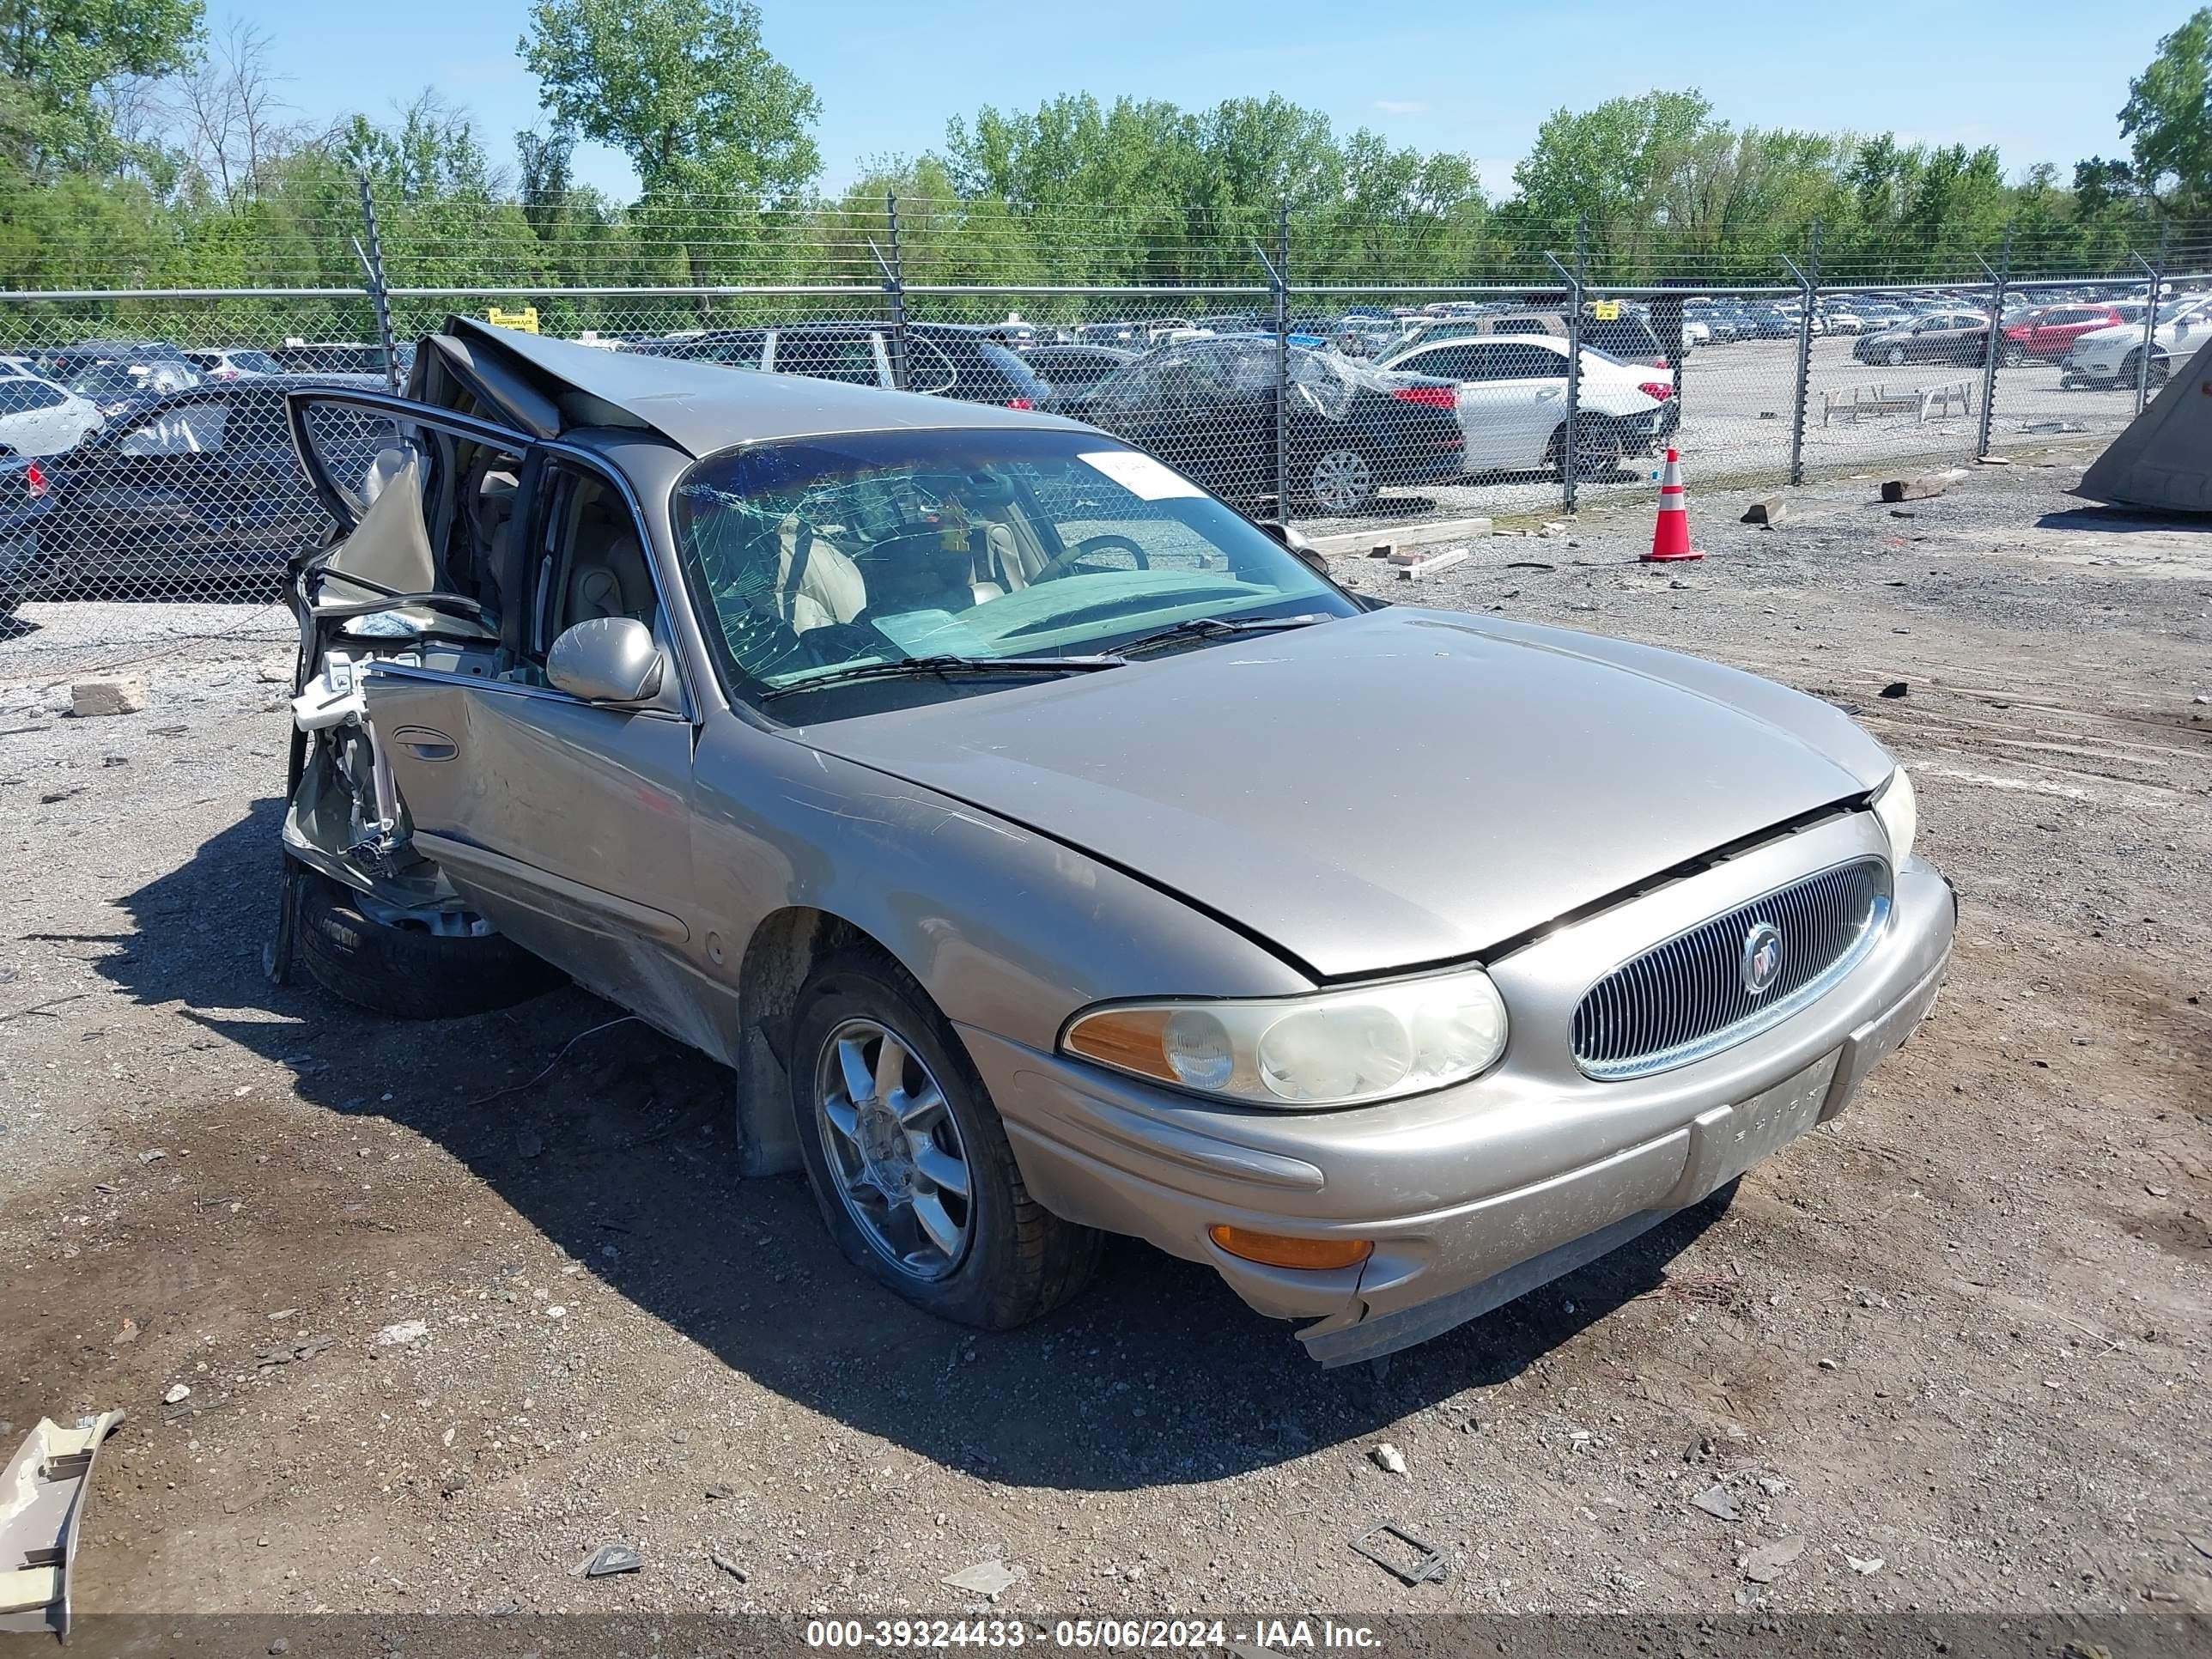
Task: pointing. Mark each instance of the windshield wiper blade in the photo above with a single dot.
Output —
(946, 667)
(1210, 628)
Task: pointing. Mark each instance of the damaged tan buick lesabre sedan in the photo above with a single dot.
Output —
(1052, 852)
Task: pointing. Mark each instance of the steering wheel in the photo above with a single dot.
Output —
(1068, 559)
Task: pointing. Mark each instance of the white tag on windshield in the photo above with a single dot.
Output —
(1140, 475)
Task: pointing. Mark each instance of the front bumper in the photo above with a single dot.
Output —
(1473, 1195)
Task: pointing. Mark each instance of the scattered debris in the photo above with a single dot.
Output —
(2155, 1192)
(179, 1393)
(610, 1560)
(1715, 1501)
(153, 1156)
(128, 1333)
(407, 1330)
(528, 1143)
(727, 1565)
(984, 1579)
(55, 797)
(717, 1491)
(1769, 512)
(1417, 1562)
(1388, 1458)
(1865, 1564)
(1897, 689)
(1922, 487)
(113, 694)
(1427, 562)
(1765, 1565)
(42, 1502)
(1538, 564)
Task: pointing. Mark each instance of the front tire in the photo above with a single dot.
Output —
(2133, 366)
(909, 1158)
(406, 973)
(1896, 358)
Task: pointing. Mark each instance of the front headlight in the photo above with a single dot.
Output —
(1333, 1049)
(1900, 812)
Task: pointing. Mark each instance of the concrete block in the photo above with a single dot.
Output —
(111, 695)
(1766, 512)
(1441, 560)
(1922, 488)
(1361, 543)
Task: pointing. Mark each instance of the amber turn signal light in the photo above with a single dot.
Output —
(1280, 1250)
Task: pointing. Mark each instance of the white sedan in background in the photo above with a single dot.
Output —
(2107, 356)
(38, 417)
(1513, 402)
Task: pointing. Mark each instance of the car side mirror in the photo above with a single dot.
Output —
(606, 660)
(1297, 543)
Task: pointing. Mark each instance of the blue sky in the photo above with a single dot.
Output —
(1436, 74)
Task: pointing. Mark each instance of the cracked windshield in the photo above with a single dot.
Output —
(967, 549)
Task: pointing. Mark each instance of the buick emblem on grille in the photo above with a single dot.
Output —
(1762, 957)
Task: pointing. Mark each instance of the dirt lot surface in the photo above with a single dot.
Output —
(457, 1305)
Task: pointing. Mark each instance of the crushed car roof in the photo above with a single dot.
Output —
(699, 407)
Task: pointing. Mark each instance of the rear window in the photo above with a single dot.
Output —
(1625, 337)
(1008, 363)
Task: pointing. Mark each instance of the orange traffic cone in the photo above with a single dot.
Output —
(1670, 537)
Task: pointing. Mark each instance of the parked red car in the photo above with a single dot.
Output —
(2049, 334)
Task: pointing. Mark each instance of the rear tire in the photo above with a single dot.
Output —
(1342, 482)
(405, 973)
(1896, 358)
(1014, 1260)
(1598, 448)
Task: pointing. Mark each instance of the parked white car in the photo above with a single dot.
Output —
(38, 417)
(2106, 356)
(1513, 402)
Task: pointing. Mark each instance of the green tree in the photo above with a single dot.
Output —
(1612, 162)
(2169, 119)
(57, 56)
(684, 88)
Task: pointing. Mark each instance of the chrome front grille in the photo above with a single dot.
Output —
(1689, 997)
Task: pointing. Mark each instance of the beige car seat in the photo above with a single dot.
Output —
(815, 584)
(608, 575)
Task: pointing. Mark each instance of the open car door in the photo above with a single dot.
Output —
(554, 811)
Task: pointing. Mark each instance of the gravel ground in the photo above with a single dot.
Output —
(457, 1305)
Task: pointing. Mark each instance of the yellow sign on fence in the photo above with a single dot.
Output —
(1601, 311)
(526, 319)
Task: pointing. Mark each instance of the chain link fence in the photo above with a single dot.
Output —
(1291, 366)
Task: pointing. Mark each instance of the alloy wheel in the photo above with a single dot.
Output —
(894, 1151)
(1896, 356)
(1342, 481)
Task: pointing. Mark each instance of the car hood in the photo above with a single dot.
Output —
(1401, 788)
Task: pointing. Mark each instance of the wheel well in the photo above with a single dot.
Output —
(778, 959)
